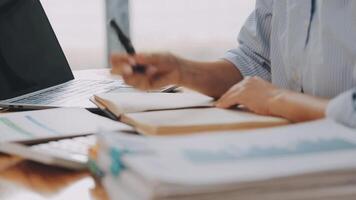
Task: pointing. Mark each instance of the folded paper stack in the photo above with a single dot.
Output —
(313, 160)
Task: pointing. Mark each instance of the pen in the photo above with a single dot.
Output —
(126, 42)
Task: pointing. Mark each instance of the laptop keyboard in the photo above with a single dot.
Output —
(75, 148)
(76, 89)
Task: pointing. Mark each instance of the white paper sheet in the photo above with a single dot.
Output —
(232, 157)
(52, 123)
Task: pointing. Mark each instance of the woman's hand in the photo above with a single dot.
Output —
(209, 78)
(254, 93)
(161, 70)
(263, 98)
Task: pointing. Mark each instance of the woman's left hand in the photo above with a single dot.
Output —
(254, 93)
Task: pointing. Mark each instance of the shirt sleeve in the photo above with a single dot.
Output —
(252, 57)
(343, 109)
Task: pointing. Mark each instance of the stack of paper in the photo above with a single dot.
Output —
(307, 161)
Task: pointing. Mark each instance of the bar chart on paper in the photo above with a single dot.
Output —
(25, 127)
(52, 123)
(233, 153)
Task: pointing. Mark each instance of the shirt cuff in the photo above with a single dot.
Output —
(343, 109)
(247, 64)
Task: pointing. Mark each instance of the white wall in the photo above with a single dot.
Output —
(79, 25)
(199, 29)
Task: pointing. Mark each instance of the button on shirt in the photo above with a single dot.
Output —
(302, 45)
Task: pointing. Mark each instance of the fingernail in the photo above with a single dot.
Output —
(132, 61)
(151, 71)
(127, 71)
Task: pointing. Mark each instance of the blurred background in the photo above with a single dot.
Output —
(196, 29)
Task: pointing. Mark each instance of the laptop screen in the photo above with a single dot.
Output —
(31, 58)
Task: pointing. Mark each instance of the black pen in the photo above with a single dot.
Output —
(126, 42)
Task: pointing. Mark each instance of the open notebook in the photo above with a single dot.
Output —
(166, 114)
(123, 103)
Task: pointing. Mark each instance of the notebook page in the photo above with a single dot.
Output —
(120, 103)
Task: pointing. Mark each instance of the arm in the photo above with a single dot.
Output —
(210, 78)
(298, 107)
(264, 98)
(251, 58)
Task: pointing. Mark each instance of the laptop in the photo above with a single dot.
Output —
(34, 72)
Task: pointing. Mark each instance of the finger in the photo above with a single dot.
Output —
(235, 92)
(119, 59)
(232, 100)
(225, 96)
(142, 82)
(120, 64)
(158, 82)
(131, 61)
(122, 70)
(132, 79)
(144, 85)
(147, 59)
(151, 71)
(138, 81)
(230, 92)
(128, 80)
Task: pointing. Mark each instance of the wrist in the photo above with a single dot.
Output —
(297, 107)
(276, 101)
(183, 67)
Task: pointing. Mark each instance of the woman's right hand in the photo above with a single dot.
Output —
(160, 70)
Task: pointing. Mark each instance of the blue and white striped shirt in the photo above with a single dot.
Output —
(302, 45)
(343, 109)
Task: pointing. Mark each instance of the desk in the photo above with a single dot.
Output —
(31, 181)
